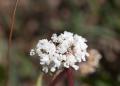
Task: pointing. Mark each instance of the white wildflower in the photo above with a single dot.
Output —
(62, 51)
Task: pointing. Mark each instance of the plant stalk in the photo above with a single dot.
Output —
(69, 74)
(12, 21)
(55, 81)
(70, 77)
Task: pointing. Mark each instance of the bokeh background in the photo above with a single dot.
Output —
(96, 20)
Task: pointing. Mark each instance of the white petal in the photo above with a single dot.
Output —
(52, 69)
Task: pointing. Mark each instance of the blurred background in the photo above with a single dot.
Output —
(96, 20)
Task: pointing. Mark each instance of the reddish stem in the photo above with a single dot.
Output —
(69, 74)
(54, 82)
(70, 77)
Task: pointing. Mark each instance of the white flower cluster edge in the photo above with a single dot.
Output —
(62, 51)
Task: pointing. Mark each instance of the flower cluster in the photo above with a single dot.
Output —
(62, 51)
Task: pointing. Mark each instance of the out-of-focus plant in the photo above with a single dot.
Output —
(91, 64)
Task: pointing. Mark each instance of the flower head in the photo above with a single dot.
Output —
(62, 51)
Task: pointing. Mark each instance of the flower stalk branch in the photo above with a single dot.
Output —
(57, 79)
(69, 75)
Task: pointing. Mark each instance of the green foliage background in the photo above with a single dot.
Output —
(97, 20)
